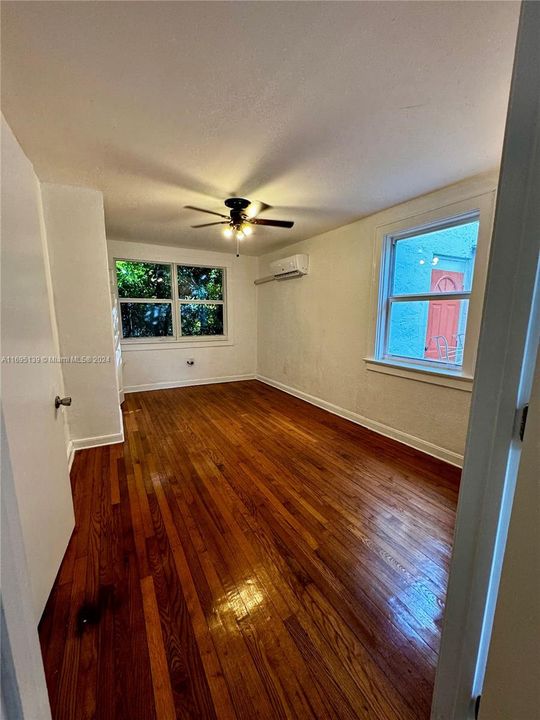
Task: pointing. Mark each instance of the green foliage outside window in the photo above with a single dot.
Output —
(143, 279)
(146, 319)
(200, 283)
(201, 319)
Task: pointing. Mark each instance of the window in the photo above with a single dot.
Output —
(145, 295)
(200, 293)
(167, 301)
(426, 283)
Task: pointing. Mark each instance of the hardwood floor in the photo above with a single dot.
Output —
(246, 555)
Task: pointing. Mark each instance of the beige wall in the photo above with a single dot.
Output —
(512, 683)
(314, 333)
(75, 226)
(145, 368)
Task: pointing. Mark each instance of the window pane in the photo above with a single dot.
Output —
(146, 319)
(143, 280)
(428, 330)
(436, 261)
(201, 319)
(200, 283)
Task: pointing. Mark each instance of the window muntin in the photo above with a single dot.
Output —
(425, 293)
(169, 301)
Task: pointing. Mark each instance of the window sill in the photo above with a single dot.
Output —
(448, 378)
(136, 345)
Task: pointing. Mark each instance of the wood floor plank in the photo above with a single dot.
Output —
(246, 555)
(163, 696)
(65, 696)
(132, 676)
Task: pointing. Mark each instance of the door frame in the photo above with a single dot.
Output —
(507, 352)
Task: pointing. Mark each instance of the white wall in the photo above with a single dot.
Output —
(75, 226)
(313, 335)
(512, 682)
(34, 429)
(145, 367)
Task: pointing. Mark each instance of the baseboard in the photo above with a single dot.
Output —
(85, 443)
(187, 383)
(90, 442)
(70, 454)
(417, 443)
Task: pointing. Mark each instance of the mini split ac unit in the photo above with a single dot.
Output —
(293, 266)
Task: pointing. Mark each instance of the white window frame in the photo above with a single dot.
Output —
(387, 299)
(480, 207)
(176, 338)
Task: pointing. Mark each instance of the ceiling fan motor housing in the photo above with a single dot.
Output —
(237, 206)
(237, 203)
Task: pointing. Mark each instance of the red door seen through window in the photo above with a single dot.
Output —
(443, 317)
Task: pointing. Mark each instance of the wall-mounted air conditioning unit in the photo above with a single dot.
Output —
(293, 266)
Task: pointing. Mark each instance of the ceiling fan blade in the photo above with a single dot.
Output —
(210, 212)
(272, 223)
(255, 208)
(220, 222)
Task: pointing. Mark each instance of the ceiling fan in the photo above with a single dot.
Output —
(242, 214)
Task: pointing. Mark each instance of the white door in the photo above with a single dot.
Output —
(34, 429)
(511, 687)
(507, 349)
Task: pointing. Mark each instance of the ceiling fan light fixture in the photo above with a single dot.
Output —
(243, 213)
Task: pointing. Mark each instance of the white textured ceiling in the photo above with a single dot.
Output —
(328, 111)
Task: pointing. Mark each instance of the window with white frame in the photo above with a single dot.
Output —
(170, 301)
(424, 292)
